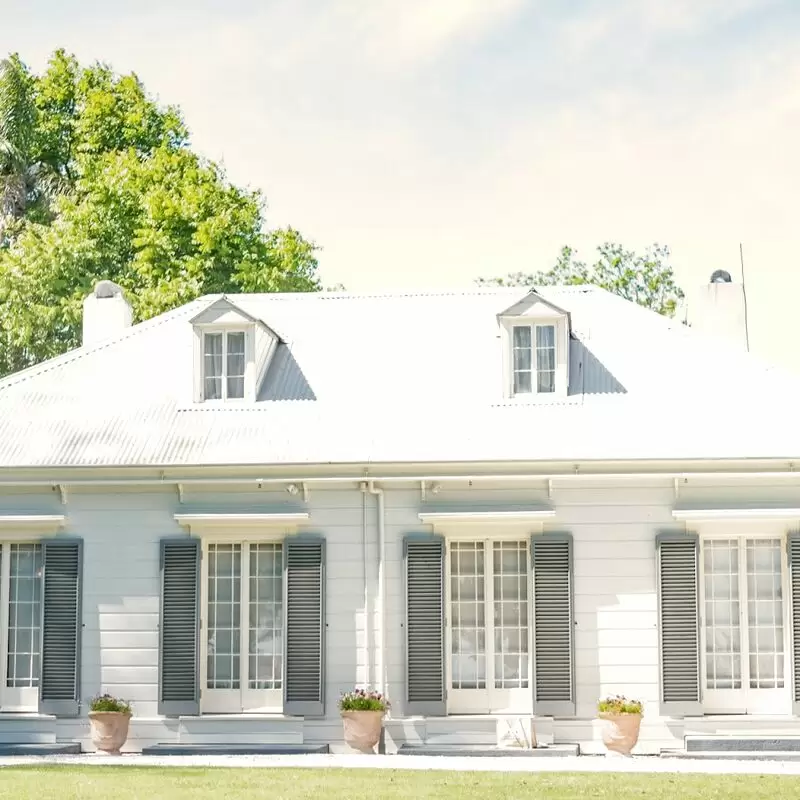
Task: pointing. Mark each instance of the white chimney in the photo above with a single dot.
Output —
(719, 310)
(106, 313)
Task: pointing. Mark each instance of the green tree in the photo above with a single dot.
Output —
(646, 278)
(135, 205)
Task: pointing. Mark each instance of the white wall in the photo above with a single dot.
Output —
(614, 528)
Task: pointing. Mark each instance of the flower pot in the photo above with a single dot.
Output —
(362, 729)
(620, 732)
(109, 730)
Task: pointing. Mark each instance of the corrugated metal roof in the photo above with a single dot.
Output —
(401, 377)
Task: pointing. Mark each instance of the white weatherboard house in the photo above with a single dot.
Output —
(492, 505)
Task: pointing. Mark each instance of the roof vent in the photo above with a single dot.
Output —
(721, 276)
(106, 313)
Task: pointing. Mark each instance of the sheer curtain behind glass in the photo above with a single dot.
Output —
(235, 365)
(24, 615)
(212, 366)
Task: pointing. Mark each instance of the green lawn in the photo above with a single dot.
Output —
(155, 783)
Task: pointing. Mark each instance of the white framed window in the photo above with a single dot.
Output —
(488, 635)
(533, 359)
(243, 629)
(21, 571)
(224, 365)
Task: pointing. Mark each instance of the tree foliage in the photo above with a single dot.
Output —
(644, 278)
(113, 190)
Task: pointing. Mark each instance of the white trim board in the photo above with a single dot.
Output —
(242, 526)
(735, 514)
(20, 527)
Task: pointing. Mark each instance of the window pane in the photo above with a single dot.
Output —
(224, 617)
(522, 336)
(522, 382)
(235, 388)
(213, 354)
(546, 382)
(266, 616)
(212, 366)
(545, 336)
(235, 355)
(24, 614)
(511, 614)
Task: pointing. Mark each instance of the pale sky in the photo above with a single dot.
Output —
(423, 143)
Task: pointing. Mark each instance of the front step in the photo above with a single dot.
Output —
(28, 749)
(742, 744)
(732, 755)
(222, 749)
(482, 751)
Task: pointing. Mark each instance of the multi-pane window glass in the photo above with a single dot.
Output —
(489, 595)
(223, 365)
(545, 358)
(510, 615)
(534, 357)
(24, 614)
(255, 607)
(266, 616)
(765, 613)
(224, 616)
(468, 615)
(743, 574)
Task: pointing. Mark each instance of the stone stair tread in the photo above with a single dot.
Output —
(223, 749)
(35, 749)
(484, 751)
(756, 744)
(733, 755)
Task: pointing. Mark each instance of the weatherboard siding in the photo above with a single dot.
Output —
(613, 524)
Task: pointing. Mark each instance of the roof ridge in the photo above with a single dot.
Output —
(81, 352)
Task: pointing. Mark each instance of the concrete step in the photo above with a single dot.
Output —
(239, 729)
(29, 749)
(733, 755)
(742, 744)
(482, 751)
(224, 749)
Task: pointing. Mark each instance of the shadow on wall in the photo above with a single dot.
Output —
(285, 379)
(588, 375)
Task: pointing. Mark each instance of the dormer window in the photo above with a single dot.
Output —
(534, 359)
(224, 365)
(535, 337)
(232, 353)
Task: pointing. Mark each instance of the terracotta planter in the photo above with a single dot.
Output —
(620, 732)
(362, 729)
(109, 730)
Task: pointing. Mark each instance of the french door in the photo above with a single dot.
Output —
(488, 632)
(242, 663)
(744, 633)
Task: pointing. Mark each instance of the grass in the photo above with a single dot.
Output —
(179, 783)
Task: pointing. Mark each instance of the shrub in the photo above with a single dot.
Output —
(363, 700)
(106, 702)
(619, 704)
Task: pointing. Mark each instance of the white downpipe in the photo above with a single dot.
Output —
(382, 682)
(365, 559)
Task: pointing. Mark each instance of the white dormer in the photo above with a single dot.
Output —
(232, 351)
(535, 338)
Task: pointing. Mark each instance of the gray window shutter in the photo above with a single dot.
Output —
(793, 545)
(424, 584)
(679, 630)
(179, 628)
(304, 592)
(553, 634)
(59, 686)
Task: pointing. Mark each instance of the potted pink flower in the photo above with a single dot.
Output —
(362, 713)
(622, 718)
(109, 721)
